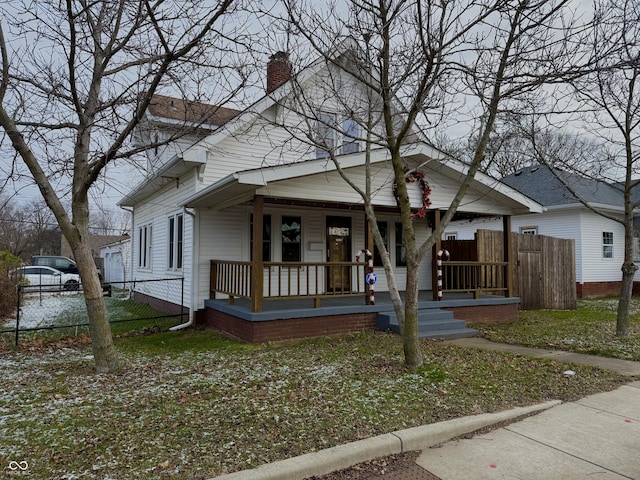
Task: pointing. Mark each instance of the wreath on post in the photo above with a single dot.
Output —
(417, 176)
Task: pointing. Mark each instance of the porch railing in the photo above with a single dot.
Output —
(475, 277)
(289, 280)
(295, 280)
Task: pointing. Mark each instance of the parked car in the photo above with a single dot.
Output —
(48, 278)
(59, 262)
(64, 264)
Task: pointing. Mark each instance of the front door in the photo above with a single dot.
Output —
(338, 250)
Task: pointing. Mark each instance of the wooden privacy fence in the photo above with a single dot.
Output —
(544, 274)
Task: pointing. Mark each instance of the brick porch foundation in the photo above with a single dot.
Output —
(291, 328)
(486, 313)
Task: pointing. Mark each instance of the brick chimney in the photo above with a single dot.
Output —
(278, 70)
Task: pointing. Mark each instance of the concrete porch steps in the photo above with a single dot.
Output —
(432, 323)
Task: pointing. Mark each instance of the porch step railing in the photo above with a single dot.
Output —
(289, 280)
(475, 277)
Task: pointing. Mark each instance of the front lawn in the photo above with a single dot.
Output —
(192, 404)
(591, 329)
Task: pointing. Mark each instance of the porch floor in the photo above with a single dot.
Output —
(303, 308)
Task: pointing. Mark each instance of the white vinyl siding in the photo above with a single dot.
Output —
(156, 211)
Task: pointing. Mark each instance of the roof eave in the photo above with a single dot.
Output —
(173, 169)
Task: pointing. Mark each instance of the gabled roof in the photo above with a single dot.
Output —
(541, 184)
(192, 113)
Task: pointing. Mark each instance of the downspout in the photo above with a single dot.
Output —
(124, 276)
(194, 284)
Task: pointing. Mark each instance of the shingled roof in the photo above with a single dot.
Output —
(190, 112)
(539, 183)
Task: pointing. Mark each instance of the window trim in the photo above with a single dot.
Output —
(399, 246)
(175, 243)
(529, 230)
(145, 246)
(607, 248)
(351, 132)
(377, 258)
(294, 218)
(266, 239)
(326, 135)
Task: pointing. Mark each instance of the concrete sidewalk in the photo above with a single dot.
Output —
(597, 437)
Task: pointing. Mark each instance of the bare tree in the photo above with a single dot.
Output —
(77, 78)
(426, 66)
(610, 96)
(525, 139)
(109, 222)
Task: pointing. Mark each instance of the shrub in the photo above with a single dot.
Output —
(8, 283)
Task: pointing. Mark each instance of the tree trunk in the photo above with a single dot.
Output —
(413, 358)
(104, 352)
(628, 272)
(622, 320)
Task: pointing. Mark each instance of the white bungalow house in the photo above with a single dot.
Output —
(265, 231)
(599, 241)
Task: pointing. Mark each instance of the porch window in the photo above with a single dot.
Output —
(176, 241)
(266, 238)
(401, 255)
(384, 231)
(144, 246)
(451, 236)
(636, 246)
(291, 235)
(351, 131)
(325, 134)
(529, 230)
(607, 244)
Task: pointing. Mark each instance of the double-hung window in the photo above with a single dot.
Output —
(176, 241)
(325, 134)
(351, 131)
(383, 227)
(607, 244)
(291, 239)
(401, 254)
(145, 237)
(266, 238)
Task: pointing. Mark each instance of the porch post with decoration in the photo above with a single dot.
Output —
(508, 254)
(257, 265)
(436, 248)
(370, 246)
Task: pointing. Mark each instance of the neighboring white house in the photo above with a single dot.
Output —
(199, 204)
(116, 258)
(599, 241)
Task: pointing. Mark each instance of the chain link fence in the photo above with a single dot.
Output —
(46, 310)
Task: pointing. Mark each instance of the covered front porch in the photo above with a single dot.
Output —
(259, 301)
(261, 282)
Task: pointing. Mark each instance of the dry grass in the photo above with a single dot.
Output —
(192, 405)
(591, 329)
